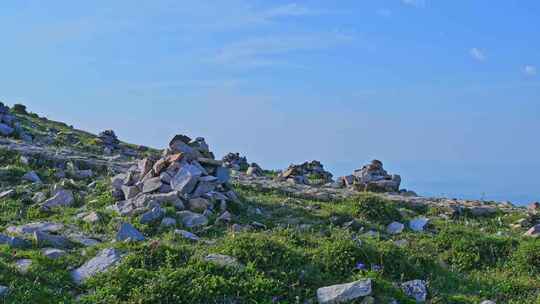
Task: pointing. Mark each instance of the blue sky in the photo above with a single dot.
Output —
(446, 93)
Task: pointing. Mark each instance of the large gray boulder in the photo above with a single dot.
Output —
(395, 228)
(105, 259)
(62, 198)
(345, 292)
(186, 179)
(418, 224)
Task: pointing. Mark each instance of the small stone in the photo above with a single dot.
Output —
(395, 228)
(168, 222)
(152, 216)
(190, 219)
(53, 253)
(401, 243)
(488, 302)
(151, 185)
(187, 235)
(23, 265)
(106, 259)
(82, 240)
(32, 176)
(415, 289)
(344, 293)
(418, 225)
(128, 233)
(62, 198)
(223, 260)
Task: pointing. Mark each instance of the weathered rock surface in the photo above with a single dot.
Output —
(223, 260)
(128, 233)
(395, 228)
(418, 224)
(344, 293)
(105, 259)
(62, 198)
(191, 219)
(13, 242)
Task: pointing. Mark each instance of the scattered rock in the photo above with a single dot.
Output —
(44, 239)
(30, 228)
(105, 259)
(128, 233)
(418, 225)
(13, 242)
(3, 290)
(7, 194)
(32, 176)
(395, 228)
(199, 204)
(415, 289)
(488, 302)
(39, 197)
(223, 260)
(153, 215)
(534, 231)
(191, 219)
(53, 253)
(187, 235)
(345, 292)
(168, 222)
(23, 265)
(62, 198)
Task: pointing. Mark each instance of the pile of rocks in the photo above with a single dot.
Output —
(372, 178)
(303, 173)
(235, 162)
(9, 125)
(186, 176)
(110, 141)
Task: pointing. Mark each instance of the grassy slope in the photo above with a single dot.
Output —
(304, 248)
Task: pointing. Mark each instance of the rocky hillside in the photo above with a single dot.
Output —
(90, 219)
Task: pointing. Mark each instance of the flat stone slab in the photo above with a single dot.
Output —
(344, 292)
(13, 242)
(105, 259)
(30, 228)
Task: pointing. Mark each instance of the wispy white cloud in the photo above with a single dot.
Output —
(477, 54)
(415, 3)
(530, 70)
(268, 51)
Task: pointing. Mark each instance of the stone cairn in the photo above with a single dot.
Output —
(373, 178)
(9, 125)
(235, 162)
(187, 176)
(306, 172)
(110, 141)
